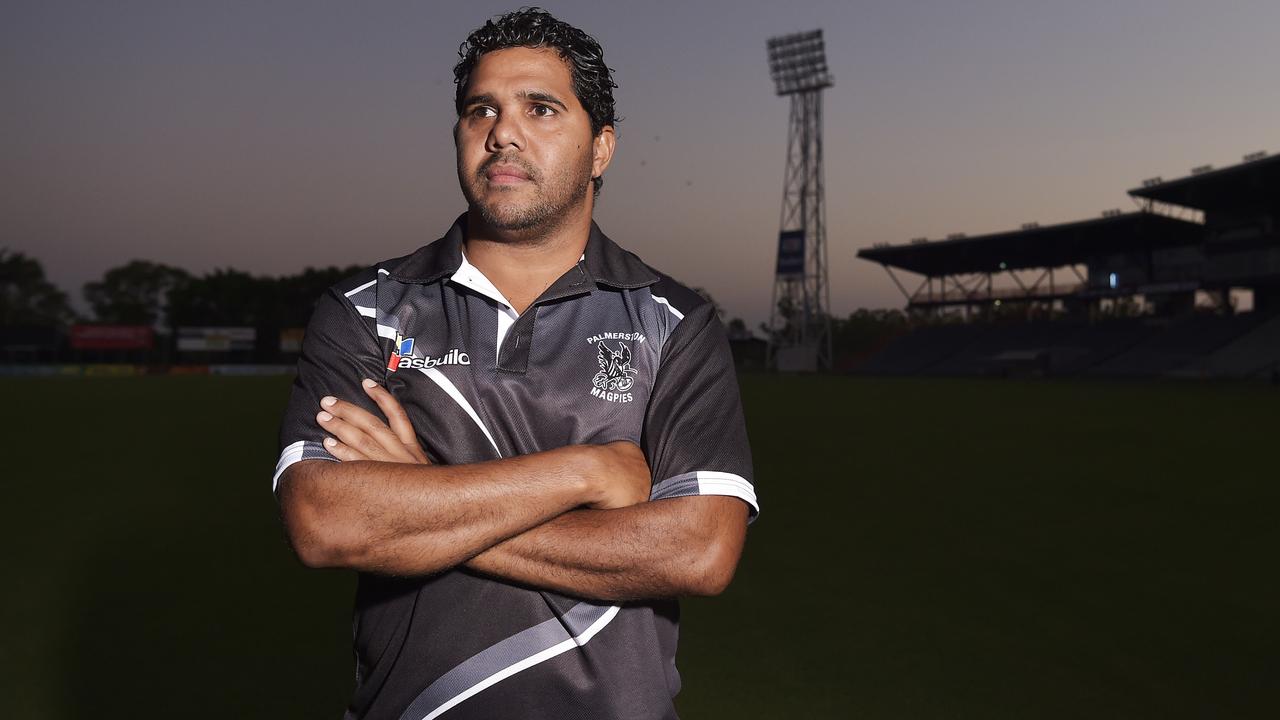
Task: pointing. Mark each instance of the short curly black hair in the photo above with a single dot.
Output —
(534, 27)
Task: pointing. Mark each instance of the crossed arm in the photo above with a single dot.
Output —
(574, 520)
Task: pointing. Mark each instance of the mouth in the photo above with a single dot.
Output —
(506, 175)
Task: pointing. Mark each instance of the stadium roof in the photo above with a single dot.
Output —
(1250, 184)
(1040, 247)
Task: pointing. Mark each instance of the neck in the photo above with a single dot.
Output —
(524, 263)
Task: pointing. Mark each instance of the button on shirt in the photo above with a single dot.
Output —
(613, 350)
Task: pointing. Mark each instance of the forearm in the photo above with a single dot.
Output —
(663, 548)
(408, 519)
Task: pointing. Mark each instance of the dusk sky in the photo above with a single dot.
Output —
(268, 136)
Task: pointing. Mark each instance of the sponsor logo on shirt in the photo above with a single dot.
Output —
(616, 374)
(402, 357)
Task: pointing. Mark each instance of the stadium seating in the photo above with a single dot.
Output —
(1254, 354)
(1175, 345)
(916, 353)
(1090, 345)
(1228, 346)
(1005, 349)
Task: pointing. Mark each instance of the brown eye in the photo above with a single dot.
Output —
(543, 111)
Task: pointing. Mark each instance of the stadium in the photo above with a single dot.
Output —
(1145, 294)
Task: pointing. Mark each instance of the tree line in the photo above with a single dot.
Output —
(142, 292)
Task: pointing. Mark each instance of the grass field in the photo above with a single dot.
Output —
(926, 549)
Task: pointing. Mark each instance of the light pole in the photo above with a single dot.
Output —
(800, 326)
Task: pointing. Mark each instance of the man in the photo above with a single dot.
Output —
(563, 451)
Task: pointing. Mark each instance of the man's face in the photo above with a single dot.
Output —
(526, 154)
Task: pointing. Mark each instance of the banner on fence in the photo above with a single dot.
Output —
(291, 340)
(112, 337)
(216, 339)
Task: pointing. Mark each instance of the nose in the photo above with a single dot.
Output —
(505, 133)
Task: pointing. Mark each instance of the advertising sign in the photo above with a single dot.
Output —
(291, 340)
(112, 337)
(791, 252)
(216, 339)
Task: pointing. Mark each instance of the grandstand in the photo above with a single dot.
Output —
(1139, 294)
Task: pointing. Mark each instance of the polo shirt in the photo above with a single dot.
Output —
(613, 350)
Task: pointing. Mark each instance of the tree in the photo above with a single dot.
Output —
(737, 330)
(136, 293)
(223, 297)
(232, 297)
(866, 330)
(294, 296)
(26, 296)
(790, 316)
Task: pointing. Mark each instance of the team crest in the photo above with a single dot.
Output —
(615, 376)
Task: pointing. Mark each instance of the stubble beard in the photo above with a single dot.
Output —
(550, 205)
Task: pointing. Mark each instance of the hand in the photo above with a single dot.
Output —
(359, 435)
(621, 474)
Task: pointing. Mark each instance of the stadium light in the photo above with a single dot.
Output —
(798, 67)
(1201, 169)
(1151, 182)
(1255, 156)
(798, 62)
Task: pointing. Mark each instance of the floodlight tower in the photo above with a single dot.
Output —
(800, 328)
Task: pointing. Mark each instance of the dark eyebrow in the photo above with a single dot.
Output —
(480, 99)
(545, 97)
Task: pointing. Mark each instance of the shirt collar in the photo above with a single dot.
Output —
(469, 275)
(603, 261)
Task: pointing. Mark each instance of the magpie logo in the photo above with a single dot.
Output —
(402, 357)
(615, 376)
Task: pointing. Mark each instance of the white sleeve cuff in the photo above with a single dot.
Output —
(301, 450)
(708, 482)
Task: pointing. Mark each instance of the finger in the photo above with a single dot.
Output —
(366, 421)
(393, 410)
(401, 426)
(352, 436)
(367, 434)
(342, 451)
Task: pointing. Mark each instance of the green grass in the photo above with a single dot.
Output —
(927, 549)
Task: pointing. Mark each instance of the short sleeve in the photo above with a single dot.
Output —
(695, 437)
(339, 350)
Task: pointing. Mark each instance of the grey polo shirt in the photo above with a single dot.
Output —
(613, 350)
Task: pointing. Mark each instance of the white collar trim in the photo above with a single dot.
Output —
(469, 275)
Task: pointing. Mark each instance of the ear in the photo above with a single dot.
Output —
(602, 147)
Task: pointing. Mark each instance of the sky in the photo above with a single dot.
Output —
(270, 136)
